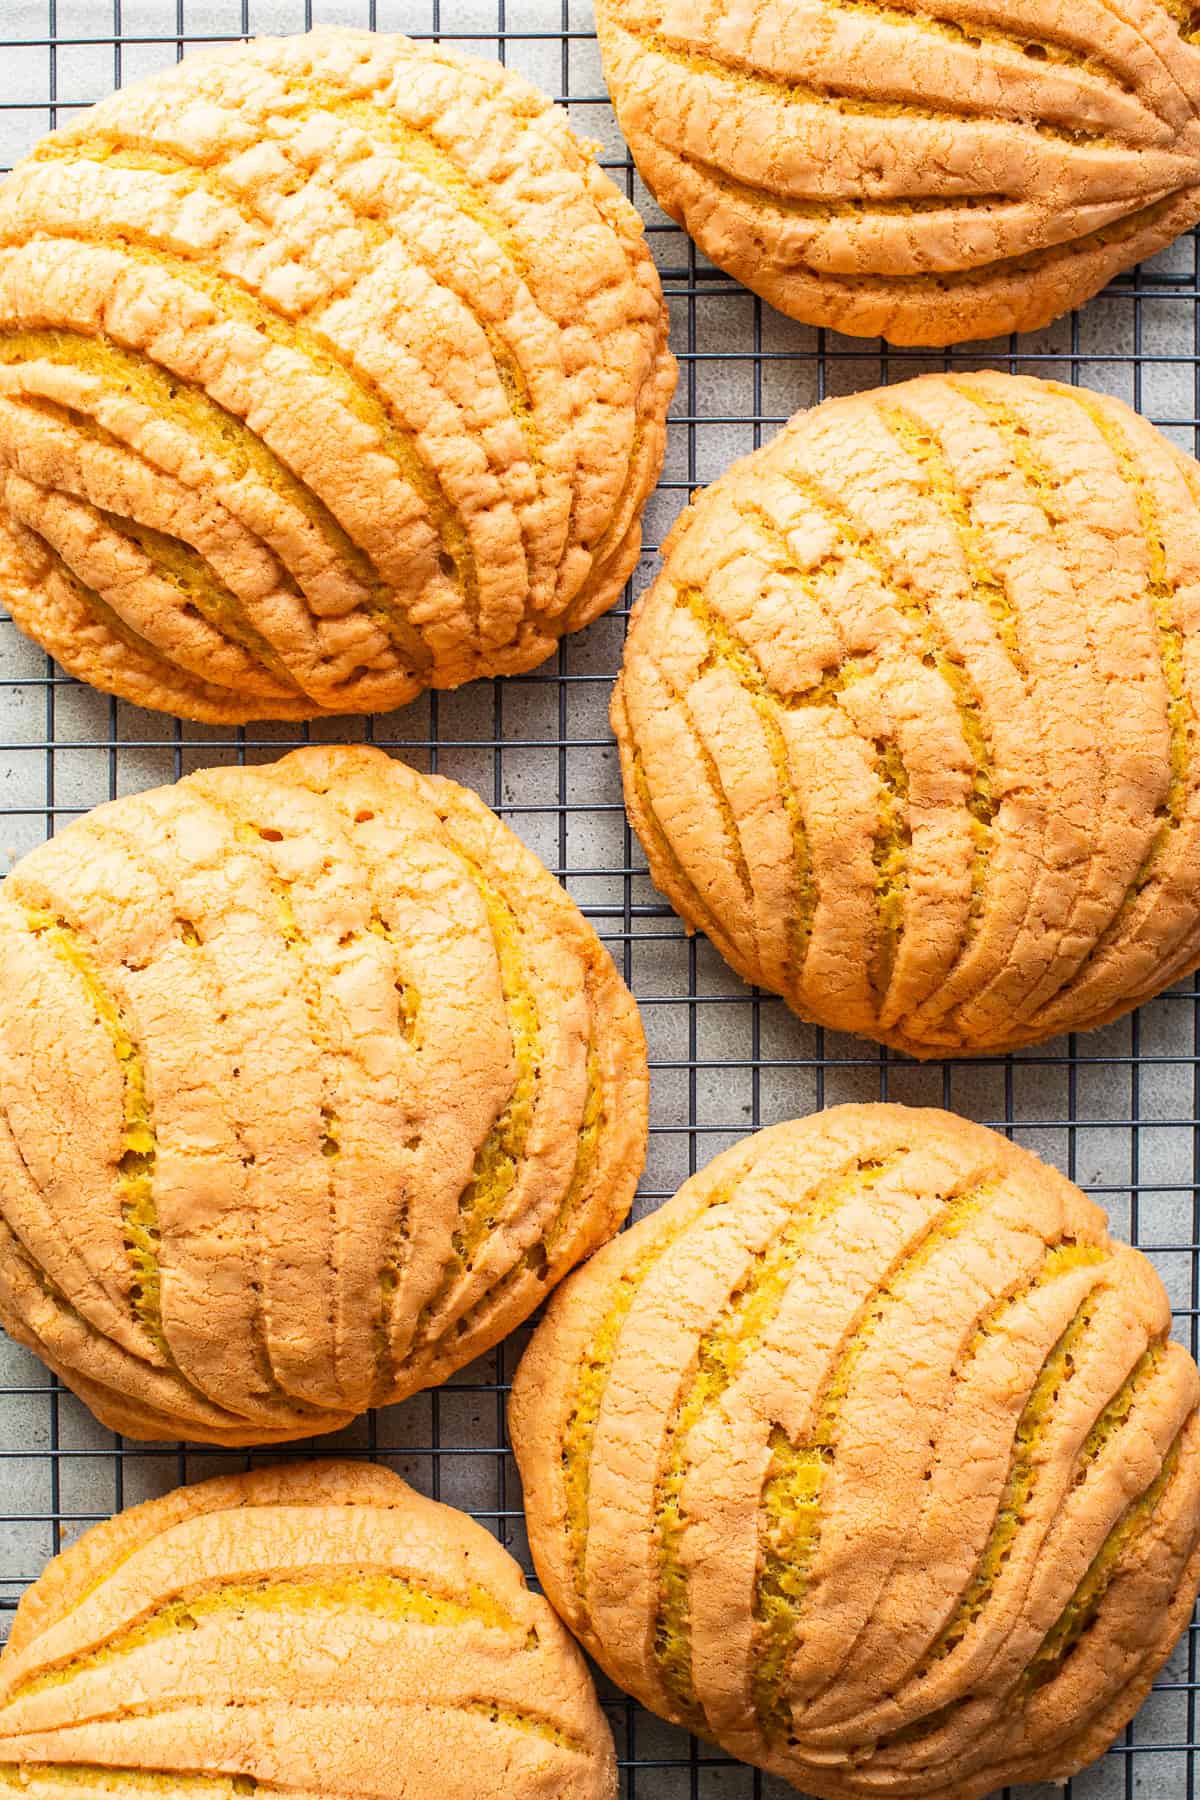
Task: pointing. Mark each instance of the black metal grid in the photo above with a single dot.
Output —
(1118, 1109)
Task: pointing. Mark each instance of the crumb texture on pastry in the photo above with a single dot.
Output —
(332, 368)
(312, 1082)
(319, 1630)
(924, 170)
(870, 1457)
(908, 722)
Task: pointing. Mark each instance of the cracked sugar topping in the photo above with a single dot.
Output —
(869, 1457)
(332, 368)
(908, 722)
(929, 172)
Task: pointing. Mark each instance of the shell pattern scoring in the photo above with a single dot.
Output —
(331, 368)
(908, 722)
(869, 1457)
(316, 1629)
(925, 170)
(312, 1081)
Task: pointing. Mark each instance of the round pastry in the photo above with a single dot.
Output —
(928, 171)
(237, 1636)
(312, 1082)
(332, 368)
(869, 1457)
(908, 722)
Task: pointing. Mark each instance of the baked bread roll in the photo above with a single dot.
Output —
(908, 722)
(869, 1457)
(312, 1082)
(926, 171)
(332, 368)
(315, 1628)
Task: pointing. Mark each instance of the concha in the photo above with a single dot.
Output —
(312, 1082)
(332, 368)
(869, 1456)
(315, 1628)
(908, 721)
(923, 170)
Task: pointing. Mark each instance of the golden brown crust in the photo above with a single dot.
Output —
(313, 1081)
(869, 1457)
(923, 170)
(908, 722)
(317, 1630)
(331, 368)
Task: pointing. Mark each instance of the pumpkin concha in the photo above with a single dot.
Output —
(332, 368)
(908, 721)
(314, 1627)
(924, 170)
(312, 1082)
(869, 1456)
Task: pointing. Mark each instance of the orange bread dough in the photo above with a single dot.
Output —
(316, 1630)
(869, 1457)
(312, 1082)
(908, 722)
(923, 170)
(332, 368)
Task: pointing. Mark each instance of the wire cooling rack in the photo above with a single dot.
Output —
(1117, 1109)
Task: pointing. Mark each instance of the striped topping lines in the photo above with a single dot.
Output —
(331, 369)
(929, 173)
(319, 1628)
(908, 721)
(869, 1457)
(313, 1082)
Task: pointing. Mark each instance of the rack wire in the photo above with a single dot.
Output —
(1119, 1109)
